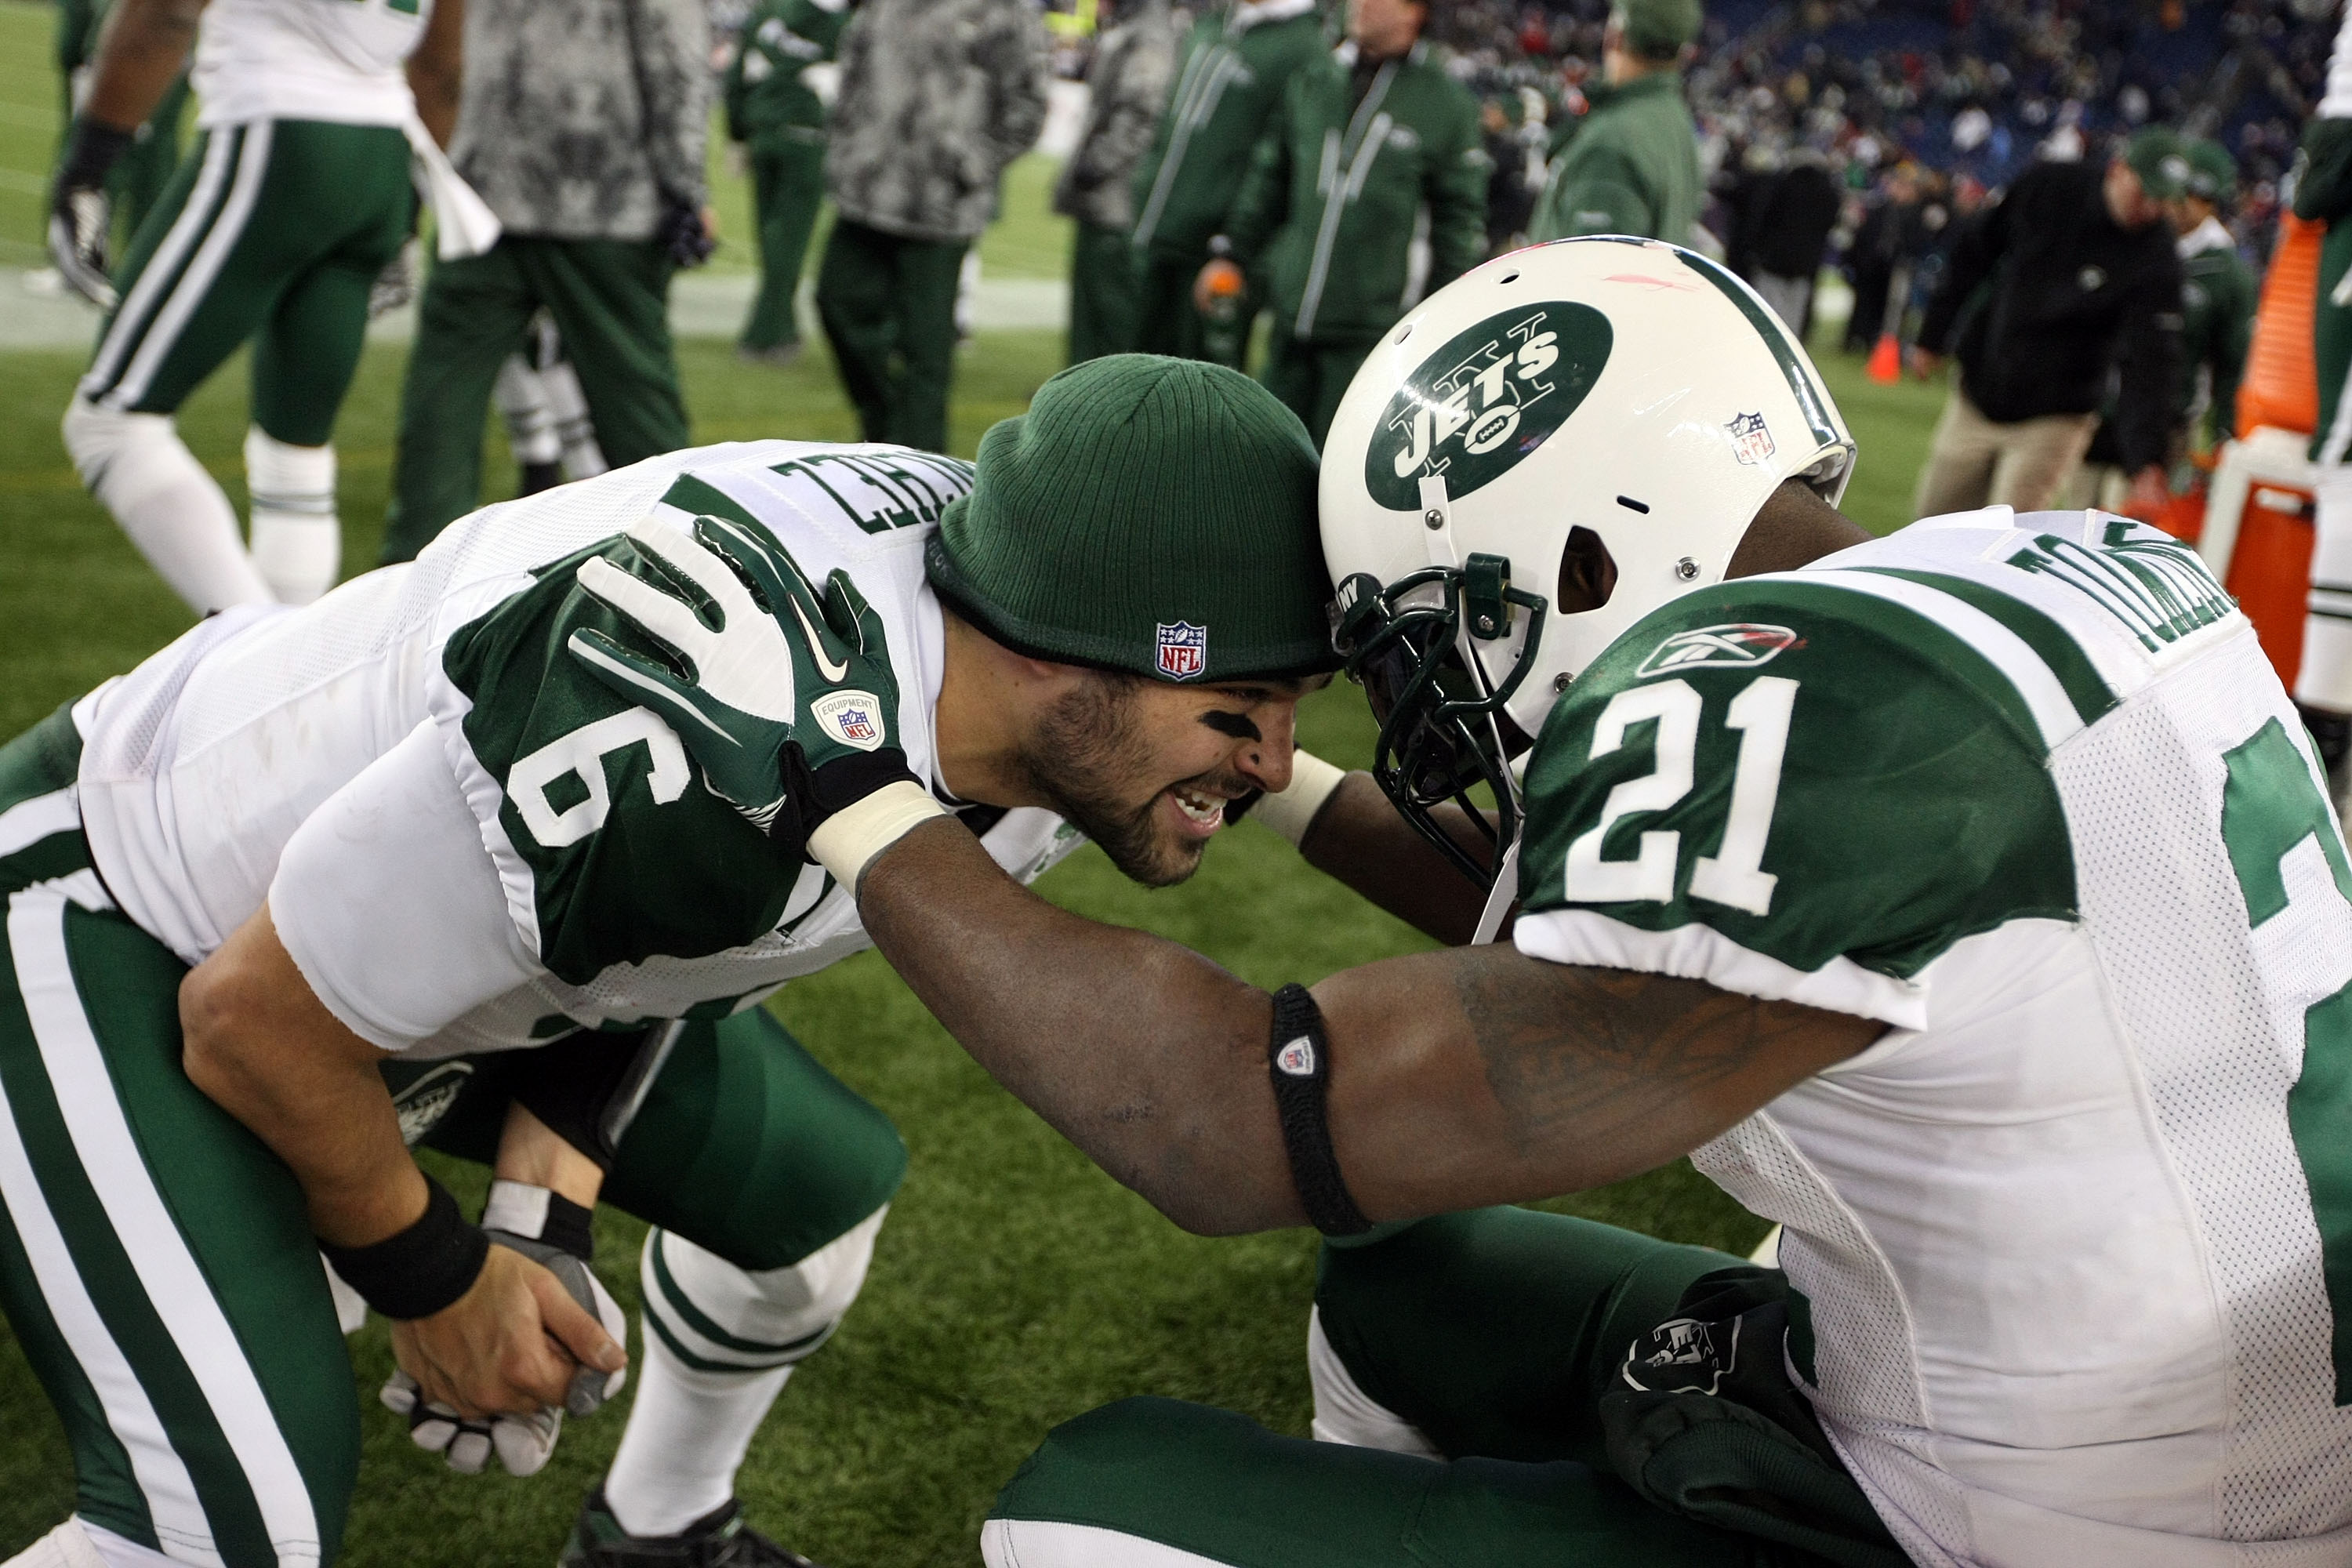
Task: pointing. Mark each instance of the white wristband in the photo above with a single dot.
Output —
(846, 841)
(1291, 812)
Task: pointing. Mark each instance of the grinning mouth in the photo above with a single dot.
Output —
(1208, 810)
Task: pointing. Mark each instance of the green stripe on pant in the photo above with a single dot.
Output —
(156, 1263)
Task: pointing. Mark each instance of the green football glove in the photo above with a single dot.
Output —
(792, 709)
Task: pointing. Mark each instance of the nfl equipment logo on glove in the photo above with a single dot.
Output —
(1183, 650)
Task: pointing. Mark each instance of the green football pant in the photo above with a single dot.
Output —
(889, 309)
(1312, 376)
(1493, 1333)
(272, 231)
(610, 301)
(1102, 292)
(156, 1265)
(788, 186)
(138, 182)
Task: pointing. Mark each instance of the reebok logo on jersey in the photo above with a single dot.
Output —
(1298, 1057)
(1740, 643)
(1184, 650)
(852, 718)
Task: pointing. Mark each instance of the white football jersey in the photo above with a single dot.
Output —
(339, 61)
(2073, 1239)
(467, 841)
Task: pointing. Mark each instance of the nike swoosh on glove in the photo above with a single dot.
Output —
(792, 710)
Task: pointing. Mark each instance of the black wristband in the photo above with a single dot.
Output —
(92, 148)
(1299, 1059)
(417, 1272)
(569, 1226)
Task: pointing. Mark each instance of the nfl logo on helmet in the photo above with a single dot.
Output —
(1183, 650)
(1751, 442)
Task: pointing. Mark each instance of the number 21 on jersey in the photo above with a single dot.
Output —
(1734, 874)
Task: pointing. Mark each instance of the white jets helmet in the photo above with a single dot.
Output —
(1543, 452)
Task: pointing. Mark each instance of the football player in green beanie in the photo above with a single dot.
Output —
(488, 903)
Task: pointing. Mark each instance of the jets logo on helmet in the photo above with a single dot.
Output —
(1486, 399)
(1184, 650)
(1739, 643)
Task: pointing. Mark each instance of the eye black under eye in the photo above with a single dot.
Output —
(1237, 725)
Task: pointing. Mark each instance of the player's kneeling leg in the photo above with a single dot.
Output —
(1153, 1483)
(1490, 1333)
(768, 1180)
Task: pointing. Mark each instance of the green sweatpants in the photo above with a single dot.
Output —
(787, 187)
(272, 231)
(609, 299)
(156, 1264)
(889, 309)
(1102, 292)
(1310, 377)
(1496, 1333)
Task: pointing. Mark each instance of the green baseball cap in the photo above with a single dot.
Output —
(1150, 515)
(2157, 156)
(1657, 30)
(2212, 172)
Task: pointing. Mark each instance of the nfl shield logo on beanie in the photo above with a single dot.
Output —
(1183, 650)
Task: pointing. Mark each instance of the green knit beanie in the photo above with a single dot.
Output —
(1149, 515)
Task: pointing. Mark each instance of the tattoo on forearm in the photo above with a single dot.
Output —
(1577, 1050)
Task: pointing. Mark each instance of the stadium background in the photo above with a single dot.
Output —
(1015, 1285)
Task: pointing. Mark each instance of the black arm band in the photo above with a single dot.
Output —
(417, 1272)
(1299, 1059)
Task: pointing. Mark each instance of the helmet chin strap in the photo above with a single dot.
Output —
(1437, 523)
(1499, 896)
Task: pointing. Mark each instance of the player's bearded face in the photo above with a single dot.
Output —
(1150, 789)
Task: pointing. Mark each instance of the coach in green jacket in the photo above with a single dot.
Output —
(1229, 80)
(779, 122)
(1367, 140)
(2217, 301)
(1632, 166)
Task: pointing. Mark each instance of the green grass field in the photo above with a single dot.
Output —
(1014, 1284)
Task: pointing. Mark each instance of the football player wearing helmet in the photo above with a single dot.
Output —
(1966, 900)
(295, 198)
(430, 860)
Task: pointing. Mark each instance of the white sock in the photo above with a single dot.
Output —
(568, 406)
(687, 1436)
(140, 471)
(297, 544)
(690, 1427)
(523, 404)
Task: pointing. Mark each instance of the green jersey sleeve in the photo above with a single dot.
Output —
(611, 848)
(1791, 790)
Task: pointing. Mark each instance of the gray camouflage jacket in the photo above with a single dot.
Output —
(1128, 86)
(577, 119)
(937, 96)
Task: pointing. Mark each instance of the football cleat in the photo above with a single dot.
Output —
(719, 1539)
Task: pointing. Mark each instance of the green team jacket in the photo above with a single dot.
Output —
(1631, 167)
(2323, 192)
(767, 103)
(1335, 178)
(1235, 64)
(2217, 326)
